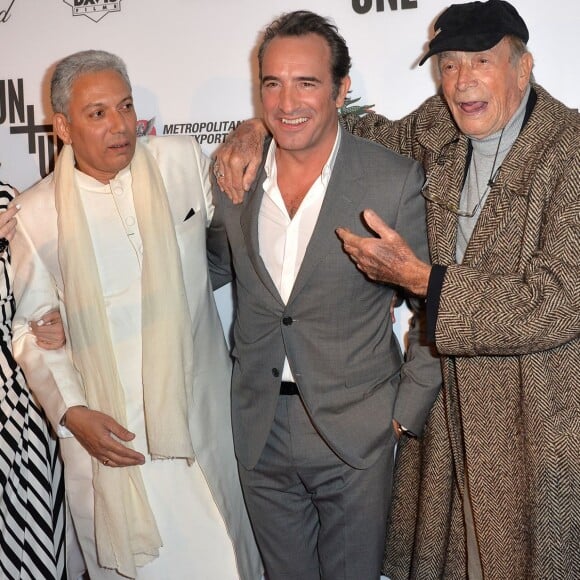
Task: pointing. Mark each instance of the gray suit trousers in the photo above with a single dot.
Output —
(316, 517)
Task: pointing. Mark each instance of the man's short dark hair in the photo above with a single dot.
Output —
(301, 23)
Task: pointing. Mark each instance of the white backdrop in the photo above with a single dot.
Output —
(192, 62)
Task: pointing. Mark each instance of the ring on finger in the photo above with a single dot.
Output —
(105, 461)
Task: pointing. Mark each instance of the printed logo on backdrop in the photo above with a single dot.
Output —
(365, 6)
(40, 138)
(93, 9)
(146, 127)
(5, 8)
(206, 132)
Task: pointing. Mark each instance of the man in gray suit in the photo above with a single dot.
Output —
(320, 389)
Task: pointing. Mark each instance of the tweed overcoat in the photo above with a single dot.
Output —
(507, 423)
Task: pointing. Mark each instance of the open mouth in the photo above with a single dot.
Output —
(473, 106)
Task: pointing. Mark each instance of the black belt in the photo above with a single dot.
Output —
(288, 388)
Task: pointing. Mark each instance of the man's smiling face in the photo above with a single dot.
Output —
(484, 89)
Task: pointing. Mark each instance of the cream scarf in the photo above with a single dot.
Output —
(125, 528)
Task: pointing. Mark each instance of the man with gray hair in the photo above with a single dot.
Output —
(493, 490)
(140, 398)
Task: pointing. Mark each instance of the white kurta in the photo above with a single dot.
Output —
(195, 540)
(192, 520)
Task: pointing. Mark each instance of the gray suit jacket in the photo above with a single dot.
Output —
(336, 328)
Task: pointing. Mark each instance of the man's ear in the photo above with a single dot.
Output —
(61, 127)
(343, 89)
(526, 65)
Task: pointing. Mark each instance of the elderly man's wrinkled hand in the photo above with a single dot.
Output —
(102, 437)
(238, 158)
(386, 258)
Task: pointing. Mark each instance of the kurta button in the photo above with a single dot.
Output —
(275, 372)
(287, 320)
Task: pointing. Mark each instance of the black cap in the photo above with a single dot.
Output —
(475, 26)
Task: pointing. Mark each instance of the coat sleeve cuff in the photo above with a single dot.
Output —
(433, 297)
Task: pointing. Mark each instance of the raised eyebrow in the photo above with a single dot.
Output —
(308, 80)
(128, 98)
(96, 105)
(99, 105)
(297, 79)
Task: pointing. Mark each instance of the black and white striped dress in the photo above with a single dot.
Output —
(31, 483)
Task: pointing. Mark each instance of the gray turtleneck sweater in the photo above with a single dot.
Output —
(486, 159)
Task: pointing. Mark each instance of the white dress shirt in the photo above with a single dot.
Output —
(283, 240)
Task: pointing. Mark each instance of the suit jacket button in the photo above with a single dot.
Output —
(287, 320)
(275, 372)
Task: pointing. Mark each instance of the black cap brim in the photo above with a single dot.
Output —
(475, 26)
(462, 42)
